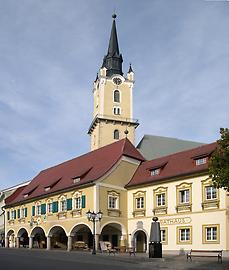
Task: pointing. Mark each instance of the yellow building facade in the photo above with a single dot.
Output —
(115, 178)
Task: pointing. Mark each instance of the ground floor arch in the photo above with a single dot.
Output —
(114, 234)
(22, 238)
(139, 241)
(58, 237)
(10, 239)
(82, 237)
(39, 238)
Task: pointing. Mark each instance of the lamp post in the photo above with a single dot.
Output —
(94, 217)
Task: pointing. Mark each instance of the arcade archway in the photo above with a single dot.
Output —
(82, 238)
(39, 238)
(23, 240)
(59, 238)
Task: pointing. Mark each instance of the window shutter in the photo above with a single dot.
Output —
(18, 213)
(69, 204)
(55, 207)
(26, 212)
(43, 209)
(8, 215)
(33, 210)
(83, 198)
(15, 214)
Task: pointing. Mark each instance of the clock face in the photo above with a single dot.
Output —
(117, 80)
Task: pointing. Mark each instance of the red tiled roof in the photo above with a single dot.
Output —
(14, 195)
(88, 167)
(175, 165)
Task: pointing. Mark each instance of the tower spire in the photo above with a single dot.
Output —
(113, 60)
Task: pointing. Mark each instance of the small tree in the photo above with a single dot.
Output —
(219, 163)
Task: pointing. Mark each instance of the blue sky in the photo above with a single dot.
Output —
(51, 50)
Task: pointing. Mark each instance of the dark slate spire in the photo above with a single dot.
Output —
(113, 60)
(130, 69)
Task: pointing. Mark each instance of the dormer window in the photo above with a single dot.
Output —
(201, 161)
(155, 172)
(76, 180)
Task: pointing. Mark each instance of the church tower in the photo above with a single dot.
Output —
(113, 102)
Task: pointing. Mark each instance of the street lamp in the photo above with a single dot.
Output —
(94, 217)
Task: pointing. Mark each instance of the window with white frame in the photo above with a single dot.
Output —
(116, 96)
(211, 233)
(49, 207)
(155, 172)
(13, 214)
(139, 203)
(78, 202)
(23, 212)
(210, 193)
(117, 110)
(201, 161)
(160, 199)
(38, 209)
(184, 196)
(116, 134)
(184, 235)
(163, 235)
(112, 202)
(63, 205)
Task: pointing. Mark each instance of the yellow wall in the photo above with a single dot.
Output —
(195, 218)
(47, 221)
(103, 107)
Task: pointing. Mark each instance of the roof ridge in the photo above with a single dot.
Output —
(85, 154)
(183, 151)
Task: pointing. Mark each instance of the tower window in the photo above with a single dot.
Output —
(116, 96)
(117, 110)
(116, 134)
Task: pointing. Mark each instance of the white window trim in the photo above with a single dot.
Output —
(141, 203)
(120, 96)
(117, 108)
(207, 199)
(161, 200)
(187, 200)
(201, 161)
(116, 202)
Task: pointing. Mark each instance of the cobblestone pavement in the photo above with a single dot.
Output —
(57, 259)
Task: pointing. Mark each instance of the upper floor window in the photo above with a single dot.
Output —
(78, 202)
(139, 202)
(113, 200)
(23, 212)
(38, 209)
(201, 161)
(155, 172)
(184, 196)
(13, 214)
(210, 193)
(117, 110)
(161, 199)
(63, 204)
(116, 96)
(49, 207)
(116, 134)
